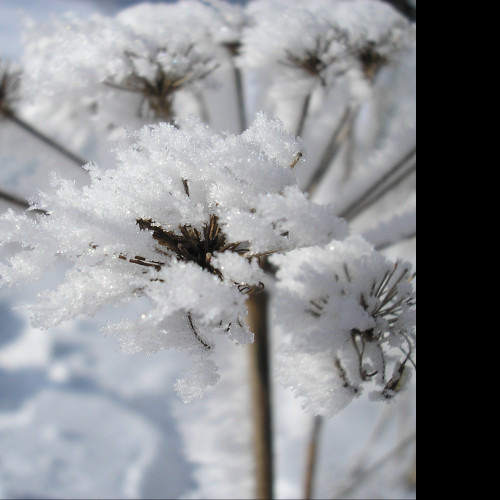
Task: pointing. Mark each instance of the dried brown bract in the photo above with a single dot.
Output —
(371, 60)
(323, 61)
(192, 245)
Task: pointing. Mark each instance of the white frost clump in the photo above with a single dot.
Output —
(123, 71)
(347, 317)
(295, 44)
(182, 221)
(322, 41)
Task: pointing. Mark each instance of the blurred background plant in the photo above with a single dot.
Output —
(339, 73)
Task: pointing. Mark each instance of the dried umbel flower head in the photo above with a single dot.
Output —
(373, 55)
(374, 33)
(298, 45)
(122, 71)
(181, 221)
(349, 320)
(10, 80)
(157, 78)
(319, 60)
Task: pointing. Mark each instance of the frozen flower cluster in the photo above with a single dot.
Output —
(306, 43)
(348, 321)
(182, 221)
(126, 70)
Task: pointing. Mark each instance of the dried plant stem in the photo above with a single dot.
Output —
(303, 115)
(77, 160)
(398, 172)
(392, 242)
(361, 476)
(240, 98)
(312, 456)
(331, 151)
(196, 334)
(202, 104)
(14, 200)
(19, 202)
(350, 150)
(261, 396)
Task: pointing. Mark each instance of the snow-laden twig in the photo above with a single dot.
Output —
(14, 200)
(10, 83)
(381, 185)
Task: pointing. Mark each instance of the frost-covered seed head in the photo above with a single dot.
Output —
(316, 61)
(167, 73)
(297, 45)
(371, 60)
(181, 222)
(348, 320)
(192, 245)
(10, 81)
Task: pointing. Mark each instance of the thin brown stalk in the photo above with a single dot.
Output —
(303, 115)
(196, 334)
(312, 457)
(361, 476)
(202, 105)
(240, 98)
(261, 396)
(14, 200)
(74, 158)
(382, 185)
(17, 201)
(331, 151)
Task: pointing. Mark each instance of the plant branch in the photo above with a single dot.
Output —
(303, 115)
(18, 201)
(331, 151)
(240, 97)
(312, 456)
(392, 242)
(9, 198)
(202, 105)
(360, 476)
(381, 186)
(261, 395)
(77, 160)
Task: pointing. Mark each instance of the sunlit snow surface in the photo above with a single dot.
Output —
(78, 419)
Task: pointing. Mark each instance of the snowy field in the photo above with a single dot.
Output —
(80, 419)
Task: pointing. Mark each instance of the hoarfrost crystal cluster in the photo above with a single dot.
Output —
(348, 321)
(187, 214)
(182, 220)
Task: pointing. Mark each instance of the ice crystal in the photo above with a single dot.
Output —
(348, 317)
(182, 221)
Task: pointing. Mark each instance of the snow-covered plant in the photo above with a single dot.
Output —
(300, 47)
(348, 321)
(200, 230)
(322, 44)
(122, 71)
(182, 220)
